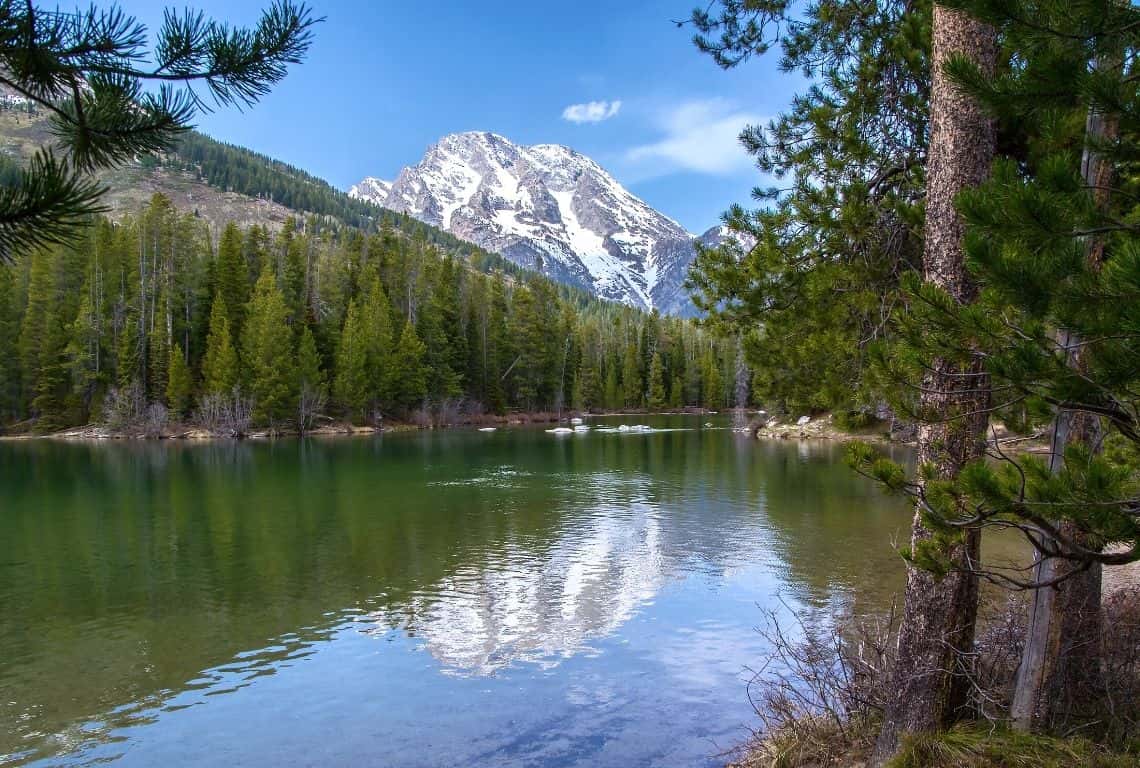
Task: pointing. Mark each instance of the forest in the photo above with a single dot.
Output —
(158, 319)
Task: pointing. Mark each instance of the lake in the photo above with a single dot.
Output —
(514, 598)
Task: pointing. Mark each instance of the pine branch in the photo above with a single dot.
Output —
(47, 207)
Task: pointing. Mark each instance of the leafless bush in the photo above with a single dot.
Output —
(124, 407)
(155, 420)
(822, 688)
(992, 666)
(226, 415)
(450, 412)
(421, 417)
(311, 404)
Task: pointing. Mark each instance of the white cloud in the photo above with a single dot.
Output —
(701, 136)
(591, 111)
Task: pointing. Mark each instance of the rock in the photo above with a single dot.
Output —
(802, 420)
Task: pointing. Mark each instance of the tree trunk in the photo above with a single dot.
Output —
(939, 614)
(1060, 673)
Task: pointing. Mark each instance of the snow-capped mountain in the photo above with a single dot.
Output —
(371, 189)
(548, 208)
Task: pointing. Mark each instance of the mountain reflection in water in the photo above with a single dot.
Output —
(512, 598)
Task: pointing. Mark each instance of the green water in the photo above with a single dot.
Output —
(453, 598)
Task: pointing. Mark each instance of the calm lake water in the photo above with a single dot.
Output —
(460, 598)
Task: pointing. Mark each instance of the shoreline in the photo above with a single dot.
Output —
(185, 431)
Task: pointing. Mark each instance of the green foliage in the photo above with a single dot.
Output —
(1058, 258)
(9, 356)
(632, 392)
(231, 278)
(816, 280)
(220, 364)
(712, 386)
(406, 378)
(267, 353)
(179, 385)
(120, 306)
(353, 386)
(656, 396)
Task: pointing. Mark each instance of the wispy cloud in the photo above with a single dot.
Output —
(701, 136)
(591, 111)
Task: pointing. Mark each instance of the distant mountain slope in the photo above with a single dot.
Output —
(224, 183)
(549, 208)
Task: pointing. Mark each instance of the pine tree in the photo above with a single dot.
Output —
(220, 363)
(158, 357)
(939, 613)
(656, 397)
(267, 344)
(43, 338)
(633, 393)
(376, 325)
(9, 355)
(82, 356)
(1048, 243)
(406, 379)
(613, 396)
(179, 385)
(311, 381)
(589, 392)
(231, 280)
(712, 384)
(353, 385)
(817, 268)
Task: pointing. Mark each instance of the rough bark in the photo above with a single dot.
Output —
(1060, 674)
(939, 614)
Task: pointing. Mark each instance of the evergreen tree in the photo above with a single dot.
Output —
(9, 355)
(179, 385)
(613, 396)
(406, 379)
(267, 347)
(313, 390)
(656, 397)
(376, 326)
(158, 356)
(82, 359)
(1049, 245)
(712, 385)
(353, 385)
(220, 363)
(939, 613)
(231, 278)
(43, 338)
(817, 269)
(632, 391)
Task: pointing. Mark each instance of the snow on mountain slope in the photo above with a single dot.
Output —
(371, 189)
(548, 208)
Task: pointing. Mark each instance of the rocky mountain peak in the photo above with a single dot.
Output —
(546, 207)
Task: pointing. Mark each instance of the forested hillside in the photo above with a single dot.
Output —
(148, 320)
(221, 183)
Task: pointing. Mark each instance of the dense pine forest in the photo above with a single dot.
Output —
(162, 319)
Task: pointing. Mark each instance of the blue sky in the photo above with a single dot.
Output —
(385, 80)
